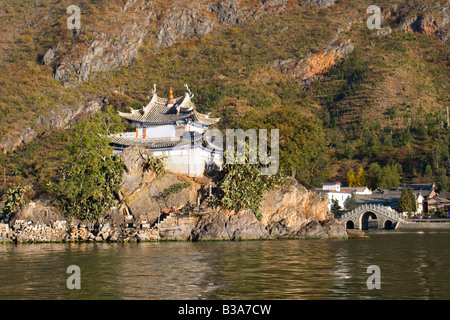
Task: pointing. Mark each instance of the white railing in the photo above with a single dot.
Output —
(387, 211)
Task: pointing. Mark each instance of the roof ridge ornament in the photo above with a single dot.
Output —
(188, 91)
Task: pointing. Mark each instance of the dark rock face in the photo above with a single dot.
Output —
(423, 19)
(181, 20)
(328, 229)
(223, 226)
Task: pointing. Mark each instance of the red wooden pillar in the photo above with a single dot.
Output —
(137, 132)
(144, 131)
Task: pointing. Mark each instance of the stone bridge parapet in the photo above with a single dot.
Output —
(371, 215)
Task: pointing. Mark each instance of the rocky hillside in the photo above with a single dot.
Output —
(240, 57)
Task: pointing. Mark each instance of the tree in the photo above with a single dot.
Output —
(439, 153)
(372, 175)
(351, 203)
(361, 180)
(243, 186)
(407, 201)
(388, 177)
(303, 143)
(442, 179)
(351, 178)
(88, 183)
(428, 173)
(335, 207)
(303, 149)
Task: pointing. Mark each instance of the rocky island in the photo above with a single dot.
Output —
(146, 213)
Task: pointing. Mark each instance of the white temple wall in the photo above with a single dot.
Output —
(158, 131)
(191, 161)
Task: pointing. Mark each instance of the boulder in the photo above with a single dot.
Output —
(291, 206)
(224, 226)
(40, 210)
(143, 189)
(278, 230)
(327, 229)
(383, 31)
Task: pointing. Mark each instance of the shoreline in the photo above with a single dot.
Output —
(424, 224)
(170, 240)
(29, 233)
(123, 241)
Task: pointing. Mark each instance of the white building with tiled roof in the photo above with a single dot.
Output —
(172, 128)
(335, 191)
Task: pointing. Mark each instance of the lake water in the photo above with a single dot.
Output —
(413, 265)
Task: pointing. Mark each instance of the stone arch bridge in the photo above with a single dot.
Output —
(371, 216)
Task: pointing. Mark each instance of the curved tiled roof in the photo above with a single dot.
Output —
(159, 111)
(152, 143)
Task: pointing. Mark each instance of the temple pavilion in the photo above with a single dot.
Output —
(174, 129)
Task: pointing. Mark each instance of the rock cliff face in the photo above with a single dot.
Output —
(292, 210)
(103, 54)
(309, 69)
(39, 211)
(143, 190)
(423, 19)
(163, 24)
(59, 117)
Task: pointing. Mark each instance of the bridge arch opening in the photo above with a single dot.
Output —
(388, 224)
(369, 220)
(349, 225)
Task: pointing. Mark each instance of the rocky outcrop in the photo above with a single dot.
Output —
(318, 3)
(225, 226)
(15, 139)
(422, 19)
(174, 21)
(142, 190)
(293, 206)
(62, 116)
(309, 69)
(40, 210)
(326, 229)
(292, 211)
(145, 212)
(103, 54)
(59, 117)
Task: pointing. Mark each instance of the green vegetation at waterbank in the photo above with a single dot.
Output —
(87, 185)
(14, 200)
(243, 185)
(379, 113)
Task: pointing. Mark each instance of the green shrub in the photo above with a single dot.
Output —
(14, 200)
(176, 188)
